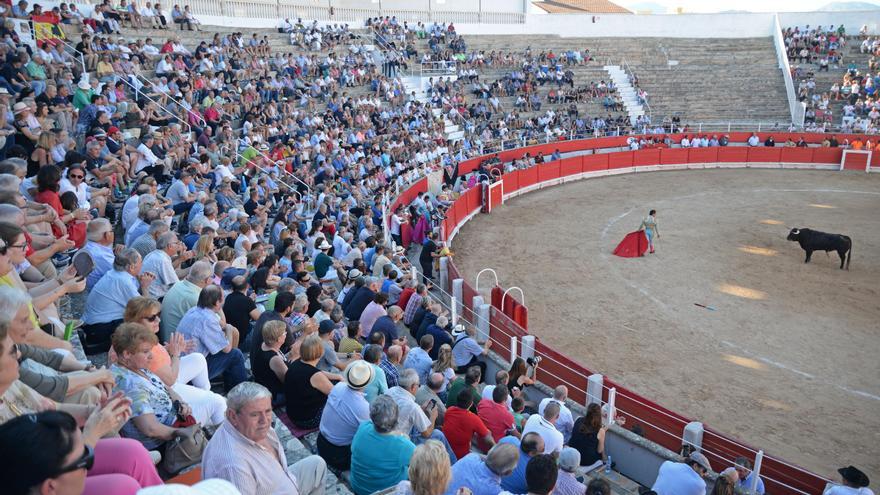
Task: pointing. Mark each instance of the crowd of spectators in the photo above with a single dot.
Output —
(815, 50)
(222, 230)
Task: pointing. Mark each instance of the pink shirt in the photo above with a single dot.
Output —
(371, 313)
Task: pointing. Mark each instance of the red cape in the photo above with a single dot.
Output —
(633, 245)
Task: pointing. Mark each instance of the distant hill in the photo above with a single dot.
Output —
(848, 6)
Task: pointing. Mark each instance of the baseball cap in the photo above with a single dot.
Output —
(326, 327)
(358, 374)
(701, 460)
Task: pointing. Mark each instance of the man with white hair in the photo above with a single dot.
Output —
(246, 451)
(184, 295)
(565, 422)
(99, 245)
(483, 476)
(417, 421)
(130, 207)
(441, 336)
(146, 243)
(566, 481)
(165, 262)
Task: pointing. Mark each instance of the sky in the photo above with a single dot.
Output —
(748, 5)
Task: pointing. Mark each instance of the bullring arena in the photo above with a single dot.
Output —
(787, 359)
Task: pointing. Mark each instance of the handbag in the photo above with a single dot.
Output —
(185, 450)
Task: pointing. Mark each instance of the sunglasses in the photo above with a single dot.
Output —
(86, 461)
(152, 318)
(76, 176)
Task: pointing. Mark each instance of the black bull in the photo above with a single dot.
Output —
(813, 240)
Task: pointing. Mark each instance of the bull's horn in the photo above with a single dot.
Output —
(796, 231)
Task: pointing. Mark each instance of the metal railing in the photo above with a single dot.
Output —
(797, 109)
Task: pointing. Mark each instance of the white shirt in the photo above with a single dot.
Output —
(130, 211)
(487, 394)
(553, 440)
(145, 157)
(846, 490)
(677, 478)
(565, 422)
(82, 192)
(159, 264)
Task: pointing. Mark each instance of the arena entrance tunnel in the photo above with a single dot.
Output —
(664, 431)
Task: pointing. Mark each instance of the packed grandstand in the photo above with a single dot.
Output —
(224, 252)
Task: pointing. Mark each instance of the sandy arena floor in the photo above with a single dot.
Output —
(788, 362)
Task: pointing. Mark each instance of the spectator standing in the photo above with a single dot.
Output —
(246, 452)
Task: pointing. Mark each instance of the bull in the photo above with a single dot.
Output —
(813, 240)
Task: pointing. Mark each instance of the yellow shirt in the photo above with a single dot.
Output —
(16, 283)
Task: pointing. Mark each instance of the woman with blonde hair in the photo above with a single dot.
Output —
(42, 154)
(429, 471)
(270, 364)
(305, 386)
(204, 249)
(176, 371)
(445, 365)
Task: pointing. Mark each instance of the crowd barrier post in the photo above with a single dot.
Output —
(756, 470)
(595, 383)
(415, 273)
(693, 435)
(457, 300)
(444, 274)
(481, 318)
(513, 344)
(528, 347)
(612, 410)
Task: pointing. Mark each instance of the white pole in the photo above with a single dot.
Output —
(612, 411)
(454, 306)
(386, 231)
(415, 273)
(756, 471)
(513, 353)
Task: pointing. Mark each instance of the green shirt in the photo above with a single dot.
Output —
(81, 98)
(456, 388)
(178, 300)
(322, 265)
(36, 71)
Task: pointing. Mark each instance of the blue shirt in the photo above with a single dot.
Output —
(515, 482)
(465, 349)
(203, 326)
(377, 386)
(103, 258)
(420, 361)
(471, 471)
(372, 471)
(107, 300)
(746, 483)
(677, 478)
(391, 375)
(346, 409)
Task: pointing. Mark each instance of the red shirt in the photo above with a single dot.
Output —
(496, 417)
(404, 297)
(459, 426)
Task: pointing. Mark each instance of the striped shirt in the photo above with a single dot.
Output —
(251, 467)
(415, 301)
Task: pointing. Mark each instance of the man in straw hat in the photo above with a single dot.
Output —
(346, 409)
(246, 451)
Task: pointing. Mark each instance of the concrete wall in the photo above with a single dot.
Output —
(437, 5)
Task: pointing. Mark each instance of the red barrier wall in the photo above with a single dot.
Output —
(659, 424)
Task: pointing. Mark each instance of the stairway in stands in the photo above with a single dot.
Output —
(627, 92)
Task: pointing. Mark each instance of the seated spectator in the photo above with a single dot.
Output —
(853, 482)
(529, 446)
(419, 358)
(746, 476)
(246, 452)
(483, 476)
(429, 471)
(99, 245)
(461, 427)
(164, 263)
(213, 338)
(430, 391)
(683, 478)
(416, 420)
(541, 475)
(270, 365)
(466, 351)
(371, 472)
(588, 437)
(467, 385)
(544, 425)
(496, 415)
(187, 375)
(153, 412)
(379, 384)
(105, 304)
(598, 486)
(564, 423)
(521, 375)
(444, 364)
(55, 375)
(184, 295)
(437, 329)
(567, 482)
(345, 410)
(501, 378)
(53, 456)
(350, 343)
(306, 387)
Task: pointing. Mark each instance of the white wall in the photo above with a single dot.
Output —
(852, 21)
